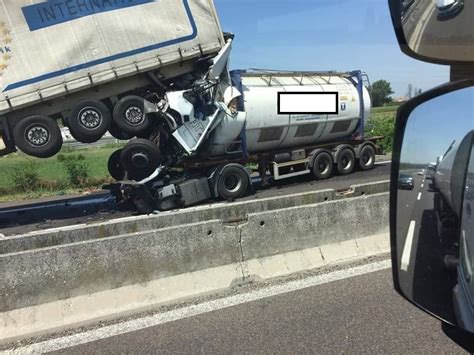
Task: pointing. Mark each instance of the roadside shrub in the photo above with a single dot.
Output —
(25, 177)
(382, 125)
(76, 168)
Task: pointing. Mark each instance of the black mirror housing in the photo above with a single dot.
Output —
(434, 32)
(432, 193)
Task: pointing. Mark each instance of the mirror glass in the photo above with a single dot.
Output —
(435, 208)
(439, 29)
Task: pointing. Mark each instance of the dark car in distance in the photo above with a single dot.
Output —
(405, 182)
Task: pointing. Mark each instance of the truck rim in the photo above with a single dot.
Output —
(140, 160)
(134, 115)
(232, 183)
(367, 158)
(346, 162)
(37, 135)
(323, 165)
(90, 118)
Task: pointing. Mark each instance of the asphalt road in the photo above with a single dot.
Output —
(299, 184)
(430, 34)
(423, 276)
(360, 314)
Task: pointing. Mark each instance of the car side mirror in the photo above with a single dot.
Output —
(438, 31)
(432, 203)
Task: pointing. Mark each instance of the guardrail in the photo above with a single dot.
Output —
(76, 274)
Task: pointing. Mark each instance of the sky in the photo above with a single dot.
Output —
(320, 35)
(434, 125)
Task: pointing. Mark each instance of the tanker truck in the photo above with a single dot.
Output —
(193, 126)
(78, 63)
(454, 185)
(196, 144)
(449, 186)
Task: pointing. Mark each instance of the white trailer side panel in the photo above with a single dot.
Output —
(49, 47)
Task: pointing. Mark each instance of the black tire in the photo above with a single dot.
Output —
(129, 115)
(38, 136)
(322, 166)
(115, 166)
(233, 182)
(367, 157)
(89, 120)
(346, 161)
(140, 158)
(117, 133)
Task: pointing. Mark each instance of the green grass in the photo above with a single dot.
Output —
(382, 123)
(52, 174)
(385, 109)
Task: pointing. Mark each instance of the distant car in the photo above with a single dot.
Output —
(405, 182)
(430, 171)
(421, 172)
(448, 8)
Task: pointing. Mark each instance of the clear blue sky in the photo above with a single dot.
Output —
(323, 35)
(435, 124)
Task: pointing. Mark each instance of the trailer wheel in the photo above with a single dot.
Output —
(322, 166)
(89, 120)
(346, 161)
(115, 166)
(117, 133)
(367, 157)
(233, 182)
(38, 136)
(140, 158)
(129, 115)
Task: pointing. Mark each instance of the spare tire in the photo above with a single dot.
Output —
(38, 136)
(129, 115)
(140, 158)
(89, 120)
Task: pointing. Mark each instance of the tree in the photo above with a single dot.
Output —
(380, 93)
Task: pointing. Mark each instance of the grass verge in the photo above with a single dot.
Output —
(52, 175)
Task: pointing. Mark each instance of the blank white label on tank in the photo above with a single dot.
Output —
(292, 103)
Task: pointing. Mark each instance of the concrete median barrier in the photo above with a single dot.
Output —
(281, 231)
(226, 212)
(48, 274)
(71, 276)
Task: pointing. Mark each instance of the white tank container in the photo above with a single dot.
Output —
(268, 130)
(451, 172)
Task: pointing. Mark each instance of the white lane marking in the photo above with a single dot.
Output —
(422, 185)
(405, 261)
(415, 40)
(383, 162)
(194, 310)
(419, 196)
